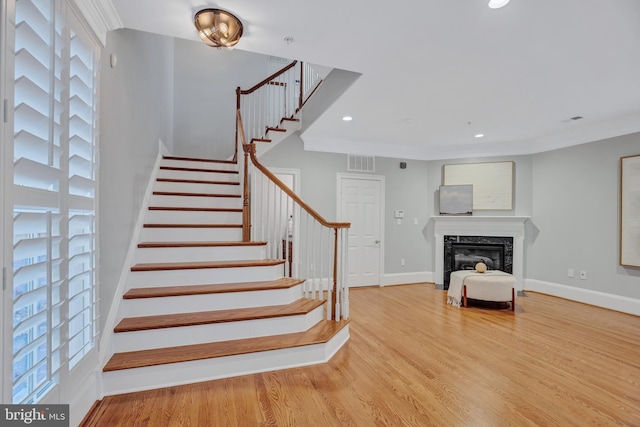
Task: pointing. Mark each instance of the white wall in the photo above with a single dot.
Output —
(205, 96)
(136, 113)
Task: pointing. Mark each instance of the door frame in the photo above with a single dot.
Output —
(381, 179)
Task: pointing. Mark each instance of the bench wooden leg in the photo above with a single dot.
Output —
(513, 299)
(464, 298)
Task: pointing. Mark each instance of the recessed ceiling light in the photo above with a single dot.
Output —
(479, 135)
(497, 4)
(347, 118)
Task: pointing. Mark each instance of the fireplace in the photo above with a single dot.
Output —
(472, 226)
(464, 252)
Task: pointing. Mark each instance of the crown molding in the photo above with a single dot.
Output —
(101, 16)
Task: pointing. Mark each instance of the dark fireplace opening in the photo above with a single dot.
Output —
(464, 252)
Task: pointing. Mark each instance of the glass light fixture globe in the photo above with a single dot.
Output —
(497, 4)
(218, 28)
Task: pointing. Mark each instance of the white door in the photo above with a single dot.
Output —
(360, 203)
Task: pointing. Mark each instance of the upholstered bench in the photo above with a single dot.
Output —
(492, 285)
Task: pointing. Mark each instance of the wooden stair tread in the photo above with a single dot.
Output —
(300, 307)
(260, 140)
(192, 209)
(192, 226)
(184, 169)
(193, 159)
(187, 194)
(205, 264)
(276, 130)
(197, 181)
(196, 244)
(186, 290)
(319, 334)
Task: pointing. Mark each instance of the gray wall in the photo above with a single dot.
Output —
(136, 112)
(576, 211)
(406, 189)
(522, 200)
(571, 195)
(204, 111)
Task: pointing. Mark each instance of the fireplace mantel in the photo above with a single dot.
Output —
(499, 226)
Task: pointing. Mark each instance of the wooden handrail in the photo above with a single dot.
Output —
(265, 81)
(251, 149)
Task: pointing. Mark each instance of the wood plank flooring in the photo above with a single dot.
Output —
(413, 360)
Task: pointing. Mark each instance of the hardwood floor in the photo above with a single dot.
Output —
(413, 360)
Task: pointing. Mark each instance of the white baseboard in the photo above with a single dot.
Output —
(84, 399)
(586, 296)
(404, 278)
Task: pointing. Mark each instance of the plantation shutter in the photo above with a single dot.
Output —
(54, 232)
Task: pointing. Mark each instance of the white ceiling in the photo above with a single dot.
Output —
(437, 72)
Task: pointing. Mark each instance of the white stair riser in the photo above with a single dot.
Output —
(222, 301)
(151, 377)
(191, 187)
(190, 234)
(192, 217)
(200, 334)
(200, 176)
(195, 201)
(198, 165)
(203, 276)
(195, 254)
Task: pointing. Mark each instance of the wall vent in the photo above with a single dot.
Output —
(278, 59)
(357, 163)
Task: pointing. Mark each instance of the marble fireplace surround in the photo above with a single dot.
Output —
(498, 226)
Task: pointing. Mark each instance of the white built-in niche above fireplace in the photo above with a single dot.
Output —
(495, 226)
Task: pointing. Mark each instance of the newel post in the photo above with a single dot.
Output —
(235, 154)
(246, 199)
(335, 274)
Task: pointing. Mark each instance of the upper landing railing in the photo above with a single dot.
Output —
(278, 98)
(314, 249)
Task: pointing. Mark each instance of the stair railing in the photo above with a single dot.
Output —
(277, 98)
(313, 248)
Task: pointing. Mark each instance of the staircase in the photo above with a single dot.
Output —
(201, 304)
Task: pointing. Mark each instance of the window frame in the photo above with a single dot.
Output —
(69, 380)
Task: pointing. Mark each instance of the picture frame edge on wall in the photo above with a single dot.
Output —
(626, 215)
(493, 182)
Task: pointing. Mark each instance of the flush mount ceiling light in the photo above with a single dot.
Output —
(347, 118)
(497, 4)
(218, 28)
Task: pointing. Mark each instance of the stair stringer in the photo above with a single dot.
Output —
(106, 349)
(290, 125)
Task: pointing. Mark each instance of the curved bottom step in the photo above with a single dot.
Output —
(149, 369)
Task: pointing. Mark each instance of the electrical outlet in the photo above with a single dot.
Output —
(402, 262)
(570, 273)
(583, 275)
